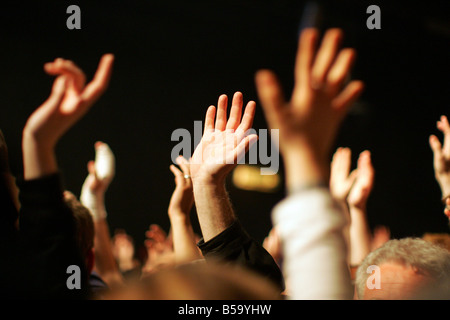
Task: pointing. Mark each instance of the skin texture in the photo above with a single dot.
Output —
(93, 197)
(307, 125)
(224, 142)
(441, 161)
(352, 189)
(68, 102)
(398, 282)
(319, 102)
(181, 202)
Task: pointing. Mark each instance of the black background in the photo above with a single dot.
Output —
(173, 60)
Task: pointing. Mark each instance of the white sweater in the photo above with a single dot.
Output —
(311, 226)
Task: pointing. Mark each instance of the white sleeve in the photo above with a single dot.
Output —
(311, 226)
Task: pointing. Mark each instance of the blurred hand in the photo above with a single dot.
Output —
(70, 99)
(159, 250)
(101, 173)
(365, 176)
(123, 250)
(442, 156)
(341, 180)
(308, 123)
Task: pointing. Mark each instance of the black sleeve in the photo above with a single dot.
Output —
(236, 246)
(48, 239)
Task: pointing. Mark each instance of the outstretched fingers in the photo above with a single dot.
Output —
(68, 68)
(249, 115)
(183, 163)
(325, 57)
(366, 172)
(221, 116)
(209, 118)
(57, 95)
(243, 146)
(340, 70)
(436, 146)
(271, 97)
(235, 112)
(341, 163)
(98, 85)
(305, 56)
(176, 172)
(444, 126)
(348, 96)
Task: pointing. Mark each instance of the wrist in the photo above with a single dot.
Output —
(444, 184)
(360, 207)
(177, 216)
(304, 169)
(30, 137)
(208, 181)
(38, 157)
(95, 204)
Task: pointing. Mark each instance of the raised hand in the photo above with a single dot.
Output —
(308, 126)
(224, 141)
(182, 198)
(341, 179)
(309, 121)
(70, 99)
(363, 185)
(353, 190)
(159, 250)
(123, 250)
(184, 242)
(442, 156)
(101, 173)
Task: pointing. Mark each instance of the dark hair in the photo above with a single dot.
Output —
(84, 224)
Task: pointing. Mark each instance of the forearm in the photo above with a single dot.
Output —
(184, 245)
(39, 158)
(360, 236)
(105, 263)
(312, 227)
(444, 184)
(304, 168)
(214, 210)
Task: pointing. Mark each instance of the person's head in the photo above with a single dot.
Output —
(199, 281)
(409, 268)
(84, 229)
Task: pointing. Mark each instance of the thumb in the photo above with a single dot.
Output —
(270, 95)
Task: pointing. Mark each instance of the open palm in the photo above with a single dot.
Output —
(223, 142)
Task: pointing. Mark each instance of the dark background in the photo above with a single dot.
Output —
(173, 60)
